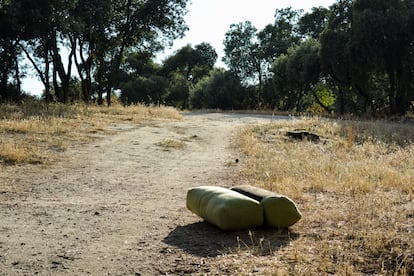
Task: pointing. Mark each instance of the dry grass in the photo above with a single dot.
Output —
(355, 190)
(38, 133)
(168, 144)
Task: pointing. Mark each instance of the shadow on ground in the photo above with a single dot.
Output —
(205, 240)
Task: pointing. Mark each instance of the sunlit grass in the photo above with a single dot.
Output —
(355, 189)
(36, 132)
(344, 161)
(12, 153)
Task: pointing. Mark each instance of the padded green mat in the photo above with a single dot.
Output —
(279, 210)
(252, 192)
(225, 208)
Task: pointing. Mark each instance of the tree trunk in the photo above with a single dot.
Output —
(366, 97)
(17, 76)
(4, 82)
(48, 96)
(9, 62)
(44, 76)
(402, 95)
(100, 80)
(341, 105)
(391, 92)
(260, 91)
(6, 66)
(56, 88)
(3, 88)
(114, 74)
(341, 93)
(64, 75)
(114, 69)
(298, 102)
(108, 96)
(84, 71)
(64, 78)
(80, 73)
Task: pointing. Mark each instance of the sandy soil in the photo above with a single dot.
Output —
(117, 206)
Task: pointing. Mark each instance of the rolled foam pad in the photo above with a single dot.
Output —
(279, 211)
(252, 192)
(225, 208)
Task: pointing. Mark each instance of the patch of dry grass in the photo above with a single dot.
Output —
(12, 153)
(171, 144)
(355, 190)
(36, 132)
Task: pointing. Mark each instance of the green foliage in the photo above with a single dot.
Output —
(178, 91)
(383, 38)
(325, 94)
(314, 23)
(192, 63)
(184, 69)
(367, 50)
(321, 100)
(138, 63)
(249, 54)
(246, 59)
(243, 53)
(360, 50)
(275, 39)
(295, 74)
(140, 81)
(146, 90)
(220, 90)
(12, 94)
(335, 59)
(96, 35)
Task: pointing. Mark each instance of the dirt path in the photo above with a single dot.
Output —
(117, 207)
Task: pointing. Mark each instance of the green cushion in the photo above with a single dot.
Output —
(225, 208)
(252, 192)
(279, 211)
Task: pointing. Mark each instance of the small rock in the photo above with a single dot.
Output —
(165, 251)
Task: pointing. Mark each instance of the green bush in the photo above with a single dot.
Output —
(220, 90)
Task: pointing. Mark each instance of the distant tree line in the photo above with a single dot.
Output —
(356, 56)
(94, 35)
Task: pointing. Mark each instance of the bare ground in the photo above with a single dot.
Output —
(117, 206)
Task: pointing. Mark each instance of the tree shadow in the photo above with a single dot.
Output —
(205, 240)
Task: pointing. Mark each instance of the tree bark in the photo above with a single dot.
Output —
(100, 80)
(391, 92)
(4, 78)
(60, 69)
(44, 76)
(56, 87)
(17, 76)
(341, 100)
(7, 63)
(84, 68)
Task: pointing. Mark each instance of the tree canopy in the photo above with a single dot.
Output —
(94, 35)
(356, 56)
